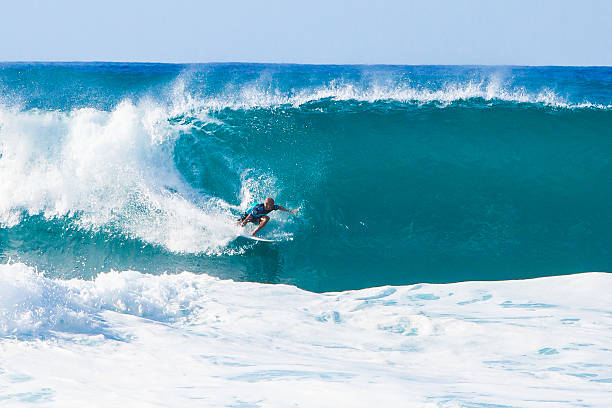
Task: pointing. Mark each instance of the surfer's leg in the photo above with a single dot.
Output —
(264, 220)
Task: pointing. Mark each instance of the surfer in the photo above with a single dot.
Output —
(257, 214)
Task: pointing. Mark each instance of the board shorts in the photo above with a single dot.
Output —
(254, 220)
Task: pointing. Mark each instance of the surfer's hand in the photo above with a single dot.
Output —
(294, 211)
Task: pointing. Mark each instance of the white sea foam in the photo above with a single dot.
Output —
(107, 170)
(186, 340)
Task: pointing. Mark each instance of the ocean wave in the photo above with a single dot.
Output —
(164, 176)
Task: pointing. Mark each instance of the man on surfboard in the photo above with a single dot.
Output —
(257, 214)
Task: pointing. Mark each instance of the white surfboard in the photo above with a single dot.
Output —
(256, 238)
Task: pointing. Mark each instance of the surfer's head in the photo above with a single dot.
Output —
(269, 203)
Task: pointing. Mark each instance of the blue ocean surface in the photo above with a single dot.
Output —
(402, 174)
(426, 195)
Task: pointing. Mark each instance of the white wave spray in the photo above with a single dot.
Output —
(111, 170)
(254, 94)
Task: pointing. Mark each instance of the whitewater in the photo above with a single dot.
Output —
(450, 222)
(193, 340)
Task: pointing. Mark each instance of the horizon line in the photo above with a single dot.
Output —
(293, 63)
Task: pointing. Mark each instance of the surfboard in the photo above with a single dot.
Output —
(256, 238)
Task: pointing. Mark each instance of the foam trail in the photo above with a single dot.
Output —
(196, 340)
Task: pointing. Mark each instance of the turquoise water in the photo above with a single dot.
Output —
(402, 174)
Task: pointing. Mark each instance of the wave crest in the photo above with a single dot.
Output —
(257, 95)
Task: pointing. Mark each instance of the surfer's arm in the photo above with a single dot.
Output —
(280, 207)
(248, 218)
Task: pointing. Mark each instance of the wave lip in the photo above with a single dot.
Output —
(186, 335)
(252, 96)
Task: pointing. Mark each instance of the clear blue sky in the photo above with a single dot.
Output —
(525, 32)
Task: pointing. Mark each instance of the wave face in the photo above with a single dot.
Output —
(402, 174)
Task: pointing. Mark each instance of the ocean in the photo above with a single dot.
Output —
(450, 249)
